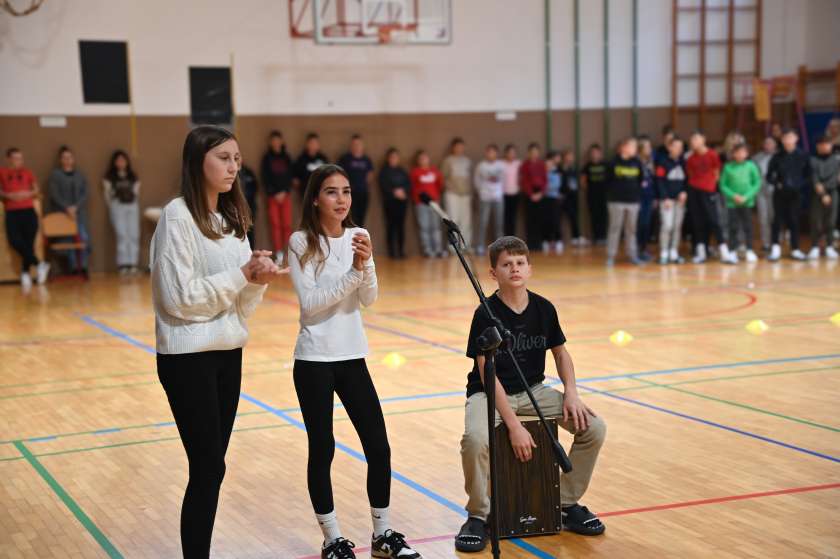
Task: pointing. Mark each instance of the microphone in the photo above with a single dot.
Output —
(441, 213)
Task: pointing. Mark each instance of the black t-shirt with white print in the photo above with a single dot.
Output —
(535, 331)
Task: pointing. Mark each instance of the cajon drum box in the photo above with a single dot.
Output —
(529, 493)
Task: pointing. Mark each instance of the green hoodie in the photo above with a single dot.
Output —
(740, 178)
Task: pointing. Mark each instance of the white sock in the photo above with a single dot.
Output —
(381, 522)
(329, 526)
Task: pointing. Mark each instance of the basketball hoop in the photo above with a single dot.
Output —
(33, 6)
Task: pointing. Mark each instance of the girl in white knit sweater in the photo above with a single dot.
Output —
(205, 283)
(333, 274)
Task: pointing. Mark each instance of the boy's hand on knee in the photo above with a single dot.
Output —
(577, 412)
(522, 443)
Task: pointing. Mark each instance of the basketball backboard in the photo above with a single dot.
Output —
(365, 22)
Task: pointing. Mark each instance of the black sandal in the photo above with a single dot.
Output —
(472, 537)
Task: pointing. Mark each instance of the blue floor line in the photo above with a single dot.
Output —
(716, 425)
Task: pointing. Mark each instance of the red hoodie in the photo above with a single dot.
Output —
(533, 176)
(428, 181)
(703, 170)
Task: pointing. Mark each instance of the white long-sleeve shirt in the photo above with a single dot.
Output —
(201, 298)
(331, 326)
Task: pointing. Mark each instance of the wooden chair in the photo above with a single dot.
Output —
(529, 493)
(59, 225)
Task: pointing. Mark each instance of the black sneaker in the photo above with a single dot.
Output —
(391, 545)
(580, 520)
(472, 537)
(339, 549)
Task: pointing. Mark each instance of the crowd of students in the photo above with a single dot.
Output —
(683, 188)
(642, 193)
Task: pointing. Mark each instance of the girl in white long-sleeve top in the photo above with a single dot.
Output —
(205, 283)
(333, 273)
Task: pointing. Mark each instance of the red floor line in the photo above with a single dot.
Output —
(722, 499)
(670, 506)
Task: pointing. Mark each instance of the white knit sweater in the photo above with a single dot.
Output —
(331, 326)
(201, 298)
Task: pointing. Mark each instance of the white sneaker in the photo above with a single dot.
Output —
(700, 257)
(674, 256)
(546, 248)
(831, 253)
(751, 257)
(663, 257)
(726, 254)
(775, 253)
(797, 255)
(25, 282)
(43, 272)
(814, 253)
(558, 247)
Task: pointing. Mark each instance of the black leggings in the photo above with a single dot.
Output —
(596, 198)
(511, 212)
(786, 207)
(703, 212)
(569, 208)
(21, 228)
(203, 392)
(315, 383)
(395, 211)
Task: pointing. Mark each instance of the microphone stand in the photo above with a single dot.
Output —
(489, 342)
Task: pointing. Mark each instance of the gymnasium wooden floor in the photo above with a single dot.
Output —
(721, 442)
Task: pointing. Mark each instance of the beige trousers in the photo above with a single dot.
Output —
(475, 455)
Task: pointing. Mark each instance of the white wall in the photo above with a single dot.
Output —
(495, 61)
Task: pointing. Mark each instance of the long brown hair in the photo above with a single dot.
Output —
(310, 220)
(232, 204)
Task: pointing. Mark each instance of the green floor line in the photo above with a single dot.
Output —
(126, 428)
(835, 300)
(109, 375)
(76, 379)
(239, 430)
(740, 405)
(249, 374)
(68, 501)
(71, 390)
(648, 386)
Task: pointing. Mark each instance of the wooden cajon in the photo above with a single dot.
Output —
(529, 493)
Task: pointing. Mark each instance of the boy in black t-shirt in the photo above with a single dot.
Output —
(310, 159)
(593, 178)
(359, 167)
(535, 327)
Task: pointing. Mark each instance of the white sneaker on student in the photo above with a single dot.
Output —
(726, 254)
(814, 253)
(26, 282)
(797, 255)
(663, 256)
(831, 253)
(43, 272)
(700, 255)
(546, 247)
(558, 247)
(674, 256)
(751, 257)
(775, 253)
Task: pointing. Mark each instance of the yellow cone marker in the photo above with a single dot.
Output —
(835, 319)
(757, 327)
(621, 338)
(393, 360)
